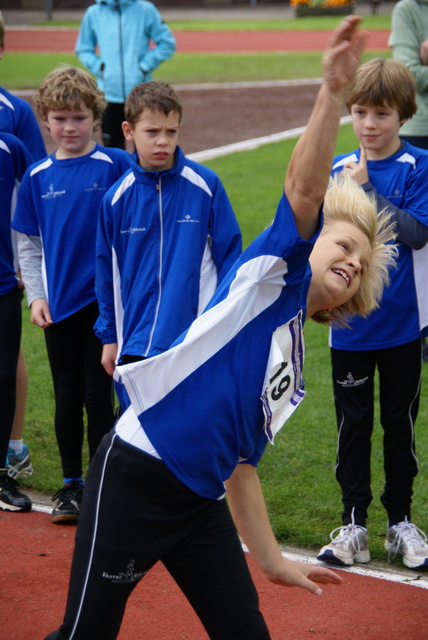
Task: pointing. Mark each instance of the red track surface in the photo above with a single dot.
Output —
(50, 40)
(34, 567)
(36, 555)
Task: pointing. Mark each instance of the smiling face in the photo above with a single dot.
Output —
(72, 131)
(377, 128)
(339, 260)
(155, 136)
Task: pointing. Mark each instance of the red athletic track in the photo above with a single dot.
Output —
(35, 560)
(50, 40)
(35, 555)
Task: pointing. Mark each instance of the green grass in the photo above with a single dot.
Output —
(24, 71)
(298, 472)
(295, 24)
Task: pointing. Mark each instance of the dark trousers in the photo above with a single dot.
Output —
(136, 512)
(111, 125)
(399, 371)
(80, 382)
(10, 339)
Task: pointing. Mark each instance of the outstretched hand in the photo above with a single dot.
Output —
(300, 574)
(342, 56)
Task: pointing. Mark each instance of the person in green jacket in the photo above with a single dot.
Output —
(409, 42)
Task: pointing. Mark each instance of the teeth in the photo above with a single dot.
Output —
(343, 274)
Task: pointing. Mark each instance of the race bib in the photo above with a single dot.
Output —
(283, 390)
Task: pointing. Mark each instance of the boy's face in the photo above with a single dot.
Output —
(377, 128)
(155, 136)
(339, 260)
(72, 131)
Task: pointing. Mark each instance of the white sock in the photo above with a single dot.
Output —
(17, 446)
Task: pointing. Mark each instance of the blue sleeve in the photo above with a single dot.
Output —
(28, 131)
(105, 327)
(259, 450)
(25, 219)
(21, 156)
(225, 232)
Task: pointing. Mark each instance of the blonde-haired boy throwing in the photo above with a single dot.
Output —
(56, 217)
(395, 174)
(203, 411)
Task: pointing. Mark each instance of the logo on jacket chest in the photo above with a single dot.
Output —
(187, 218)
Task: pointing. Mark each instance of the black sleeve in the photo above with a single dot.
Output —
(410, 231)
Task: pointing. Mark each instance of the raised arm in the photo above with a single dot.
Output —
(309, 169)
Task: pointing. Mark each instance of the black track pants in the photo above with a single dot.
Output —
(136, 512)
(399, 389)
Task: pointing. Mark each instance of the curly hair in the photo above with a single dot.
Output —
(346, 201)
(69, 88)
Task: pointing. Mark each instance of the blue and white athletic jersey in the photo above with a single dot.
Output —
(165, 240)
(403, 180)
(231, 381)
(59, 201)
(17, 117)
(14, 160)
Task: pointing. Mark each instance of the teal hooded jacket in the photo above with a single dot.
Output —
(115, 44)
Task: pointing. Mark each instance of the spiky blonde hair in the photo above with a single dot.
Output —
(346, 201)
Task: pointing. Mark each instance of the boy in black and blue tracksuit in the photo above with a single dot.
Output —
(203, 410)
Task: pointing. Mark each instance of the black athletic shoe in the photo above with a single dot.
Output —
(11, 499)
(68, 506)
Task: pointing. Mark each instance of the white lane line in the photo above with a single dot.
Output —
(253, 143)
(415, 580)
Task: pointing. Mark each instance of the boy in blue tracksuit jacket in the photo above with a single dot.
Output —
(167, 236)
(17, 117)
(114, 44)
(14, 160)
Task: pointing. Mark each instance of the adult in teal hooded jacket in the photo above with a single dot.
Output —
(114, 44)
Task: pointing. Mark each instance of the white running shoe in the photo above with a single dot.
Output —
(406, 538)
(349, 546)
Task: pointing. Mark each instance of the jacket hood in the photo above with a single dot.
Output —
(114, 3)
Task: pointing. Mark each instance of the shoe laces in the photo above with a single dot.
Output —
(411, 535)
(70, 491)
(10, 485)
(348, 533)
